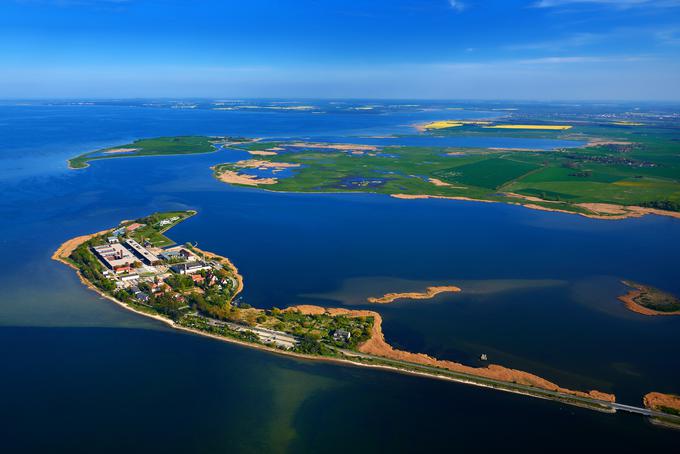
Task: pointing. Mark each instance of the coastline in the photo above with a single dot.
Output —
(618, 212)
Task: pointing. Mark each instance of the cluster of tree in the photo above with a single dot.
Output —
(180, 282)
(582, 174)
(662, 205)
(211, 308)
(168, 304)
(312, 346)
(197, 323)
(90, 268)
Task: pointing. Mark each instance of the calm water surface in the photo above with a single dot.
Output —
(540, 295)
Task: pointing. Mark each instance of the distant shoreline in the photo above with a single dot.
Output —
(626, 211)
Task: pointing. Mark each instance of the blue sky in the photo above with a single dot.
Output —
(446, 49)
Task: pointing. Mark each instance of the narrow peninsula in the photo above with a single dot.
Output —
(139, 268)
(160, 146)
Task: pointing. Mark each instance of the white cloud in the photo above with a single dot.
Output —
(613, 3)
(669, 37)
(580, 59)
(573, 40)
(457, 5)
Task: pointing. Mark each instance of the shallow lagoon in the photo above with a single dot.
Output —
(539, 294)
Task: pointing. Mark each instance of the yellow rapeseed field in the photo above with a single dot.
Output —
(550, 127)
(627, 123)
(453, 123)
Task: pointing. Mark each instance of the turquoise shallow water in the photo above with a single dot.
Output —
(539, 294)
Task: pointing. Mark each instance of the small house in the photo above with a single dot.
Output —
(341, 335)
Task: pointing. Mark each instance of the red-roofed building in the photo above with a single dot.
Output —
(123, 269)
(134, 226)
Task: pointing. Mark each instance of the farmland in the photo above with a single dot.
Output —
(622, 165)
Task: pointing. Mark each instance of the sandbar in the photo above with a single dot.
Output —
(262, 152)
(429, 293)
(438, 182)
(229, 176)
(260, 164)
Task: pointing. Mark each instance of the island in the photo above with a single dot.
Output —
(136, 266)
(647, 300)
(615, 169)
(160, 146)
(429, 293)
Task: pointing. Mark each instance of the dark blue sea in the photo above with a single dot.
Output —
(80, 374)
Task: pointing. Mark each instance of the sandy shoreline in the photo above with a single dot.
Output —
(604, 211)
(231, 177)
(430, 292)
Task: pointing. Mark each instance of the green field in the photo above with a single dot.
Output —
(639, 166)
(149, 147)
(489, 173)
(152, 230)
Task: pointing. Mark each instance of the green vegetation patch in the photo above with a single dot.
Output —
(490, 173)
(546, 195)
(655, 299)
(150, 147)
(151, 227)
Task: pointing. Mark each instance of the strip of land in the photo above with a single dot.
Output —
(429, 293)
(160, 146)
